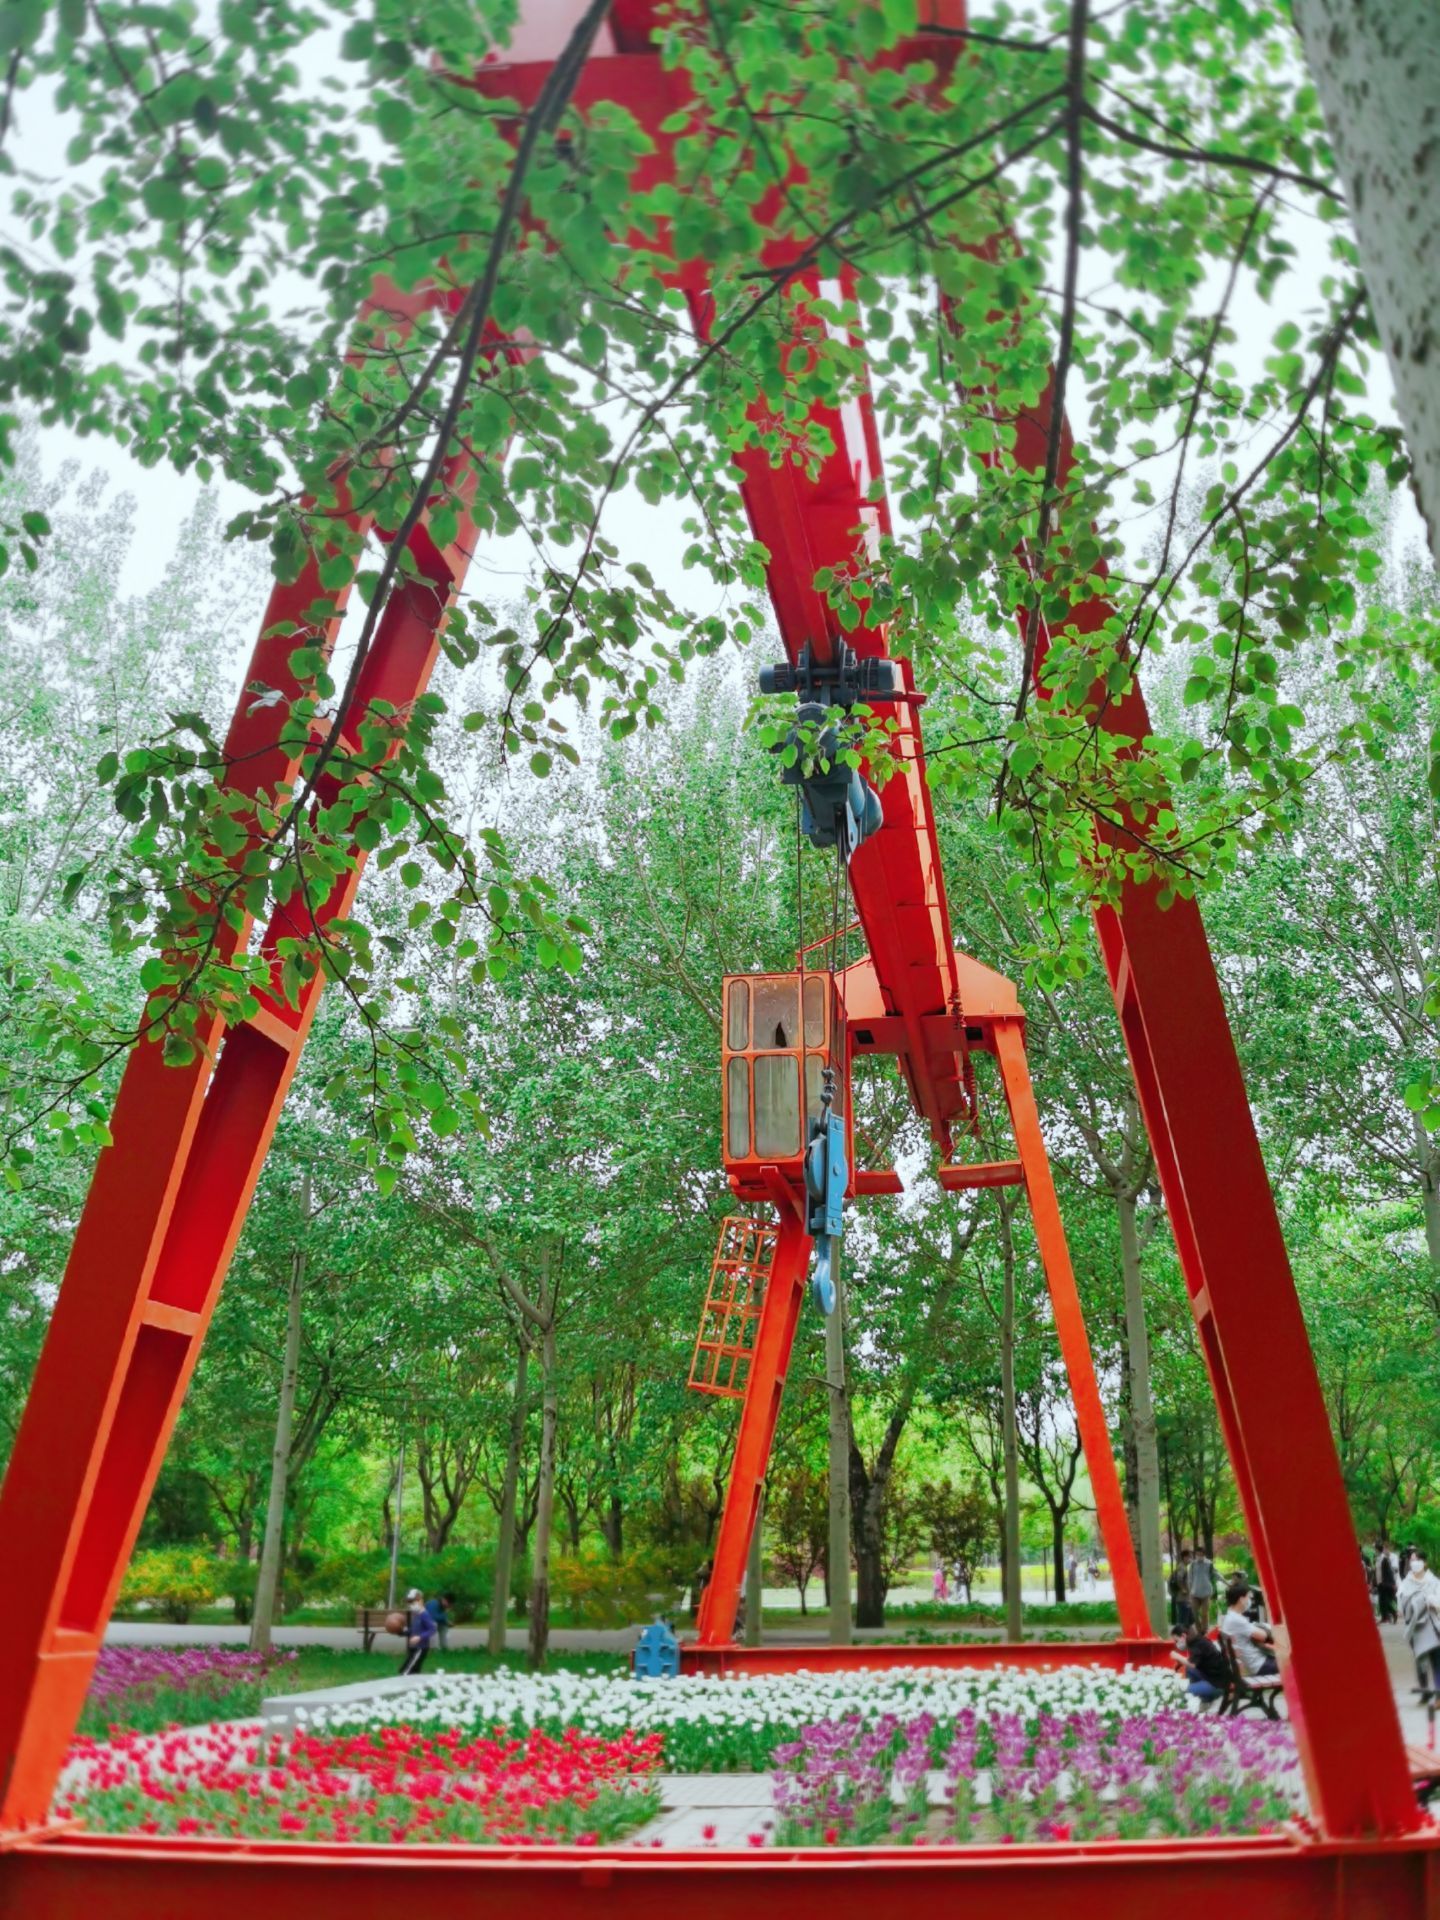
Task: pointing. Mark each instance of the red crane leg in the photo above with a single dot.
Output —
(1009, 1040)
(1112, 946)
(1252, 1332)
(774, 1340)
(165, 1209)
(1253, 1335)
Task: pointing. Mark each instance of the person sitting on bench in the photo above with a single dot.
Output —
(1207, 1677)
(1248, 1637)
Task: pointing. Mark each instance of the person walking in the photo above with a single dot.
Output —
(1419, 1598)
(1202, 1588)
(419, 1631)
(1072, 1570)
(442, 1612)
(1387, 1582)
(1180, 1614)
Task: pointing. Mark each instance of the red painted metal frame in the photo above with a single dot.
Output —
(164, 1212)
(1287, 1876)
(1247, 1313)
(169, 1195)
(1033, 1656)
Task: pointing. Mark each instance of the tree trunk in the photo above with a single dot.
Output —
(755, 1576)
(1168, 1480)
(245, 1519)
(545, 1501)
(505, 1542)
(837, 1560)
(395, 1523)
(869, 1573)
(267, 1577)
(1010, 1442)
(1376, 68)
(1142, 1415)
(1430, 1200)
(612, 1525)
(1057, 1552)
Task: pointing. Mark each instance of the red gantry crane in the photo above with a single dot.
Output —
(169, 1196)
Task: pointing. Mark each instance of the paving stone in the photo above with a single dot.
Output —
(715, 1790)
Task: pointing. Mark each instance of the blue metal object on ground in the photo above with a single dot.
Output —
(657, 1653)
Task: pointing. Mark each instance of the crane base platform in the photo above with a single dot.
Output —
(1035, 1656)
(1288, 1875)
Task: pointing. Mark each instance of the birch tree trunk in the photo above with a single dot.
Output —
(1376, 68)
(267, 1577)
(545, 1501)
(837, 1563)
(1142, 1416)
(509, 1494)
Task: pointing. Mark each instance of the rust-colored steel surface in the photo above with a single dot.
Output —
(169, 1196)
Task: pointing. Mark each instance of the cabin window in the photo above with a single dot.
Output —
(815, 1010)
(737, 1108)
(777, 1015)
(737, 1036)
(777, 1103)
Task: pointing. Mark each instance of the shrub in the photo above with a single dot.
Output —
(238, 1578)
(175, 1580)
(466, 1573)
(357, 1578)
(600, 1592)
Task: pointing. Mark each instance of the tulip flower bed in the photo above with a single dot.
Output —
(1073, 1777)
(904, 1756)
(144, 1689)
(735, 1725)
(395, 1785)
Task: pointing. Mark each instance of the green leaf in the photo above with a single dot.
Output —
(163, 198)
(394, 117)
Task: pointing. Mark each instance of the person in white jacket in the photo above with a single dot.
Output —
(1419, 1599)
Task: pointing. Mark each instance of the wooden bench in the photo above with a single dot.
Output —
(1247, 1690)
(371, 1620)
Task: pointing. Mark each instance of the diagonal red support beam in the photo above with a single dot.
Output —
(165, 1209)
(1247, 1312)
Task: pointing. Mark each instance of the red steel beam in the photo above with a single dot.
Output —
(1070, 1332)
(764, 1386)
(1032, 1656)
(166, 1206)
(1284, 1876)
(1247, 1312)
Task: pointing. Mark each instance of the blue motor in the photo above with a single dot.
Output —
(837, 807)
(657, 1653)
